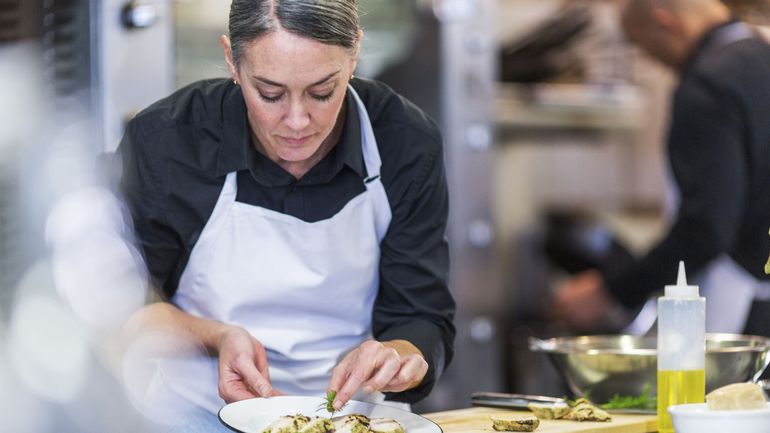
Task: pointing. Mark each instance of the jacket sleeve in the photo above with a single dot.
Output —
(414, 302)
(141, 186)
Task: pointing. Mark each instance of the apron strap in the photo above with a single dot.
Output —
(368, 142)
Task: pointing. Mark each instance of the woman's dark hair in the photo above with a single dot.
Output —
(333, 22)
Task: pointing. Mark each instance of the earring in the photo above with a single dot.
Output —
(235, 82)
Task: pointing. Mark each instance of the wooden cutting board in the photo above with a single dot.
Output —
(476, 420)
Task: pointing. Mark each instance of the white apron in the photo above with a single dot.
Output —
(304, 290)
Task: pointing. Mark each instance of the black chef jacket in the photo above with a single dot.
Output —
(719, 152)
(177, 152)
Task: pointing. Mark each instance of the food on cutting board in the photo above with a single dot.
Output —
(549, 411)
(355, 423)
(737, 396)
(584, 410)
(580, 410)
(514, 423)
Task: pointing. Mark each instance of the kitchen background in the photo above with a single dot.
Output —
(552, 123)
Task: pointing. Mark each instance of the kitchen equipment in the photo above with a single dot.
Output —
(605, 365)
(476, 420)
(681, 352)
(511, 401)
(520, 401)
(697, 418)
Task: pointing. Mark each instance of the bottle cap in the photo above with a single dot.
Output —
(681, 289)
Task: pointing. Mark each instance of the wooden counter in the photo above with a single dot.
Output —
(476, 420)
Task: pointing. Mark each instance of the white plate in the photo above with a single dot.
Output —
(253, 415)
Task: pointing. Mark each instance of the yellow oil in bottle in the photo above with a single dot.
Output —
(678, 387)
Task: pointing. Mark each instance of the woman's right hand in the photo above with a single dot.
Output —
(243, 368)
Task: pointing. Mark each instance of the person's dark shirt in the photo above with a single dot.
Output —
(175, 157)
(719, 152)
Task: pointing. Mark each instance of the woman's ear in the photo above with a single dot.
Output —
(224, 42)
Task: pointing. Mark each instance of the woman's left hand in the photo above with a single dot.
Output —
(390, 366)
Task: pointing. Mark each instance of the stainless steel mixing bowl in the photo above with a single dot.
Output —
(605, 365)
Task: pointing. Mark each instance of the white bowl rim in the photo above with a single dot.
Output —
(702, 411)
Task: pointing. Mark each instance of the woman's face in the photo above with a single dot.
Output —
(294, 88)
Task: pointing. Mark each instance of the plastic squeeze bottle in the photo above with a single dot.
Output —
(681, 348)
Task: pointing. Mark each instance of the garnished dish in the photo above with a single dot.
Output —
(289, 414)
(354, 423)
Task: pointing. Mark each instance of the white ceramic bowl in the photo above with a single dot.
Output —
(697, 418)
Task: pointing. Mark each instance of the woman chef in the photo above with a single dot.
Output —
(294, 217)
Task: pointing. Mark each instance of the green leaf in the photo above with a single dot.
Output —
(642, 401)
(330, 401)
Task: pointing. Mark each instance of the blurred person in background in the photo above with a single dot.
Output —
(293, 218)
(719, 154)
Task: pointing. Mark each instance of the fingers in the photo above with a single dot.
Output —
(254, 378)
(390, 367)
(243, 368)
(240, 379)
(260, 360)
(354, 370)
(411, 373)
(340, 372)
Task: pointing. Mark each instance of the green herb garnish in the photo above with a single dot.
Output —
(328, 404)
(643, 401)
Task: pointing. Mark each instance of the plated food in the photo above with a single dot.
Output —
(257, 414)
(353, 423)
